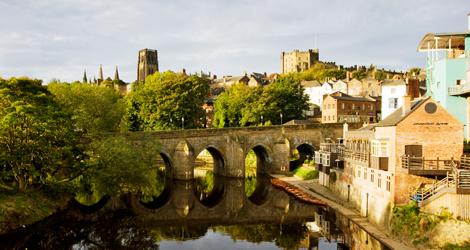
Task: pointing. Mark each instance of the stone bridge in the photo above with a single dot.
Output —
(273, 146)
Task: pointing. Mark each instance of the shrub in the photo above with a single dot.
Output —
(306, 173)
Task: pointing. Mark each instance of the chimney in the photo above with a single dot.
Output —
(468, 21)
(406, 100)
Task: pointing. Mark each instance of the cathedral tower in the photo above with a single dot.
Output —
(147, 64)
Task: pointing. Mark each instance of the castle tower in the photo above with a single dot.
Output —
(147, 63)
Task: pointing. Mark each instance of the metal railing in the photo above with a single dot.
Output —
(459, 89)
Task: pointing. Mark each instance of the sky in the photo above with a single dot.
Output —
(59, 39)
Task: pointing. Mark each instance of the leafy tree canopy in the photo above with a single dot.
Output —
(165, 99)
(243, 106)
(95, 109)
(37, 138)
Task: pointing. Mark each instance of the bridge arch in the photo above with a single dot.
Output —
(218, 158)
(305, 151)
(167, 162)
(263, 157)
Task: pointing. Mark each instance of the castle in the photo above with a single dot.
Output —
(297, 61)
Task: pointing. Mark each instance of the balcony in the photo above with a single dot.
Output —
(359, 157)
(460, 90)
(427, 167)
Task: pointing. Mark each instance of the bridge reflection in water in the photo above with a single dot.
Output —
(185, 216)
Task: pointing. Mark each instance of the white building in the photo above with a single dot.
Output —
(340, 86)
(314, 91)
(392, 96)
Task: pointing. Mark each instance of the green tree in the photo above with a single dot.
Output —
(95, 109)
(380, 75)
(359, 74)
(118, 165)
(165, 100)
(235, 103)
(37, 138)
(284, 96)
(244, 106)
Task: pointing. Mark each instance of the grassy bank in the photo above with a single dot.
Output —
(306, 173)
(18, 209)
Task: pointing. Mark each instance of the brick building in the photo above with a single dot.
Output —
(339, 108)
(383, 163)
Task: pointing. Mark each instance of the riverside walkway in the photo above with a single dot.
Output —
(316, 190)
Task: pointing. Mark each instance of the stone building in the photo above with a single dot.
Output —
(355, 87)
(382, 165)
(297, 61)
(339, 108)
(147, 63)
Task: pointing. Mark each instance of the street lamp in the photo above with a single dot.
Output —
(281, 118)
(182, 122)
(262, 120)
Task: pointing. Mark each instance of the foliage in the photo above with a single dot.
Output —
(37, 138)
(380, 75)
(95, 109)
(244, 106)
(415, 71)
(306, 173)
(250, 163)
(319, 72)
(205, 184)
(250, 185)
(118, 165)
(408, 221)
(359, 74)
(165, 100)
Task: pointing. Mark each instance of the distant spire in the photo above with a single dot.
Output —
(85, 79)
(100, 76)
(116, 74)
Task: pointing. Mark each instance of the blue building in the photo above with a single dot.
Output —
(448, 71)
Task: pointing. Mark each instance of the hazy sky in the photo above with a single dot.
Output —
(60, 38)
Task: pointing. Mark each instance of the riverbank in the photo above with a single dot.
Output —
(22, 209)
(313, 188)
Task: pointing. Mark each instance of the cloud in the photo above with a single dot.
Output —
(59, 39)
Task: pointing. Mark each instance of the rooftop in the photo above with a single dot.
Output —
(455, 39)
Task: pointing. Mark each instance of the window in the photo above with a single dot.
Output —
(458, 82)
(379, 148)
(392, 91)
(342, 106)
(363, 106)
(372, 175)
(379, 180)
(354, 106)
(371, 107)
(365, 174)
(393, 103)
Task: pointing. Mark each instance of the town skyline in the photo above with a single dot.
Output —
(224, 38)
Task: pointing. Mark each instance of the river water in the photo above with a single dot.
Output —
(231, 214)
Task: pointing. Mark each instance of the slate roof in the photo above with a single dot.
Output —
(391, 82)
(310, 84)
(396, 117)
(347, 97)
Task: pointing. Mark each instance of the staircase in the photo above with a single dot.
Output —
(435, 190)
(458, 181)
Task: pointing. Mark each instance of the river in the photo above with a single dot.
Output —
(224, 214)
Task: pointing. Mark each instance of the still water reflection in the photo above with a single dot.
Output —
(211, 213)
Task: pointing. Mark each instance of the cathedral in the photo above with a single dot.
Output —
(116, 83)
